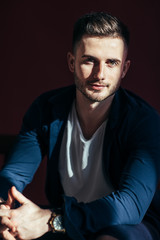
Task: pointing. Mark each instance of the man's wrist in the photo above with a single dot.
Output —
(56, 222)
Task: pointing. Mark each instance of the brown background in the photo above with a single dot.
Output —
(34, 40)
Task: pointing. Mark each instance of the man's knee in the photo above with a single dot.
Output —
(106, 237)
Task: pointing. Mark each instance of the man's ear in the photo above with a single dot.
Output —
(126, 67)
(71, 61)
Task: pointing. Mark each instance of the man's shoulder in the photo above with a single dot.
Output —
(132, 114)
(133, 102)
(129, 108)
(58, 93)
(54, 99)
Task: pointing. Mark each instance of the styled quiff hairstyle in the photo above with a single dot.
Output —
(99, 24)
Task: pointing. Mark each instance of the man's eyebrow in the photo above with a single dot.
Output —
(108, 59)
(114, 59)
(88, 56)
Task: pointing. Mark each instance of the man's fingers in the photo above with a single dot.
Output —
(10, 200)
(6, 223)
(3, 206)
(18, 196)
(6, 235)
(4, 213)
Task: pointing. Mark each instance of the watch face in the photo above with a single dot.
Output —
(57, 223)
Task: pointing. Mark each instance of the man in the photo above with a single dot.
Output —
(102, 144)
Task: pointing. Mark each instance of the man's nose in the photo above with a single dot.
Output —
(99, 72)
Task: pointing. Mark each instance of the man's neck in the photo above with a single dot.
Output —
(92, 114)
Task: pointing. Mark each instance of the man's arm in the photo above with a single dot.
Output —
(137, 186)
(22, 161)
(26, 154)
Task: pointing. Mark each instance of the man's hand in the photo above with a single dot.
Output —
(5, 224)
(30, 220)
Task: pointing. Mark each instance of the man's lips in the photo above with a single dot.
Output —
(98, 86)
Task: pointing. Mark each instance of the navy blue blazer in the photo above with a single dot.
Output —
(131, 159)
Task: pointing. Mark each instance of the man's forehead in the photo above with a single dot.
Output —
(94, 42)
(99, 39)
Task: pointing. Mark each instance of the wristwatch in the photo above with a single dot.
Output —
(56, 223)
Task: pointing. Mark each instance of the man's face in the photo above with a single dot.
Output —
(99, 64)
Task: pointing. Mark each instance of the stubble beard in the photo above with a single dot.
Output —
(90, 97)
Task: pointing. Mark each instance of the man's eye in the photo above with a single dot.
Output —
(89, 60)
(112, 63)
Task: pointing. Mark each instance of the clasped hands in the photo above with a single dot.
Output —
(28, 221)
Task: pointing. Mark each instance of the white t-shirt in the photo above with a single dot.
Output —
(80, 166)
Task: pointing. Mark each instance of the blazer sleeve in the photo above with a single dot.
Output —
(26, 154)
(138, 182)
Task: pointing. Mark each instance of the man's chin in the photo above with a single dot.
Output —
(96, 97)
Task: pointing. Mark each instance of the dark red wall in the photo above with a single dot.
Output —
(36, 35)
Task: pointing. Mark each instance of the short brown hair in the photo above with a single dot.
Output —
(99, 24)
